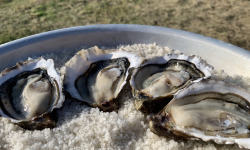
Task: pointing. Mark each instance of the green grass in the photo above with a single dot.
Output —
(226, 20)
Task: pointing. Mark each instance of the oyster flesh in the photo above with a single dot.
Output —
(156, 81)
(209, 110)
(97, 76)
(29, 91)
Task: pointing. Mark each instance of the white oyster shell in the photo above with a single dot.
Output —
(161, 77)
(82, 61)
(197, 61)
(209, 110)
(35, 103)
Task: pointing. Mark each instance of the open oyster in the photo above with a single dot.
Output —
(29, 91)
(96, 76)
(156, 81)
(207, 110)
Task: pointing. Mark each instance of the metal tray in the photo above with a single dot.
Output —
(223, 56)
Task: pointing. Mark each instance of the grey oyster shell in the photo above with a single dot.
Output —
(29, 92)
(97, 76)
(156, 81)
(209, 110)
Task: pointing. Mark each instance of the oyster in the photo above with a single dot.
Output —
(96, 76)
(209, 110)
(29, 91)
(156, 81)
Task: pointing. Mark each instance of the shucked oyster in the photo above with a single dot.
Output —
(29, 91)
(207, 110)
(156, 81)
(97, 76)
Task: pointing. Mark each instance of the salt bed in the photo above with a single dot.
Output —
(81, 127)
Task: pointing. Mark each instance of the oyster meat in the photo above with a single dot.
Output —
(29, 91)
(209, 110)
(156, 81)
(97, 76)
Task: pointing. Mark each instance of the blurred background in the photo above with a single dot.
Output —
(226, 20)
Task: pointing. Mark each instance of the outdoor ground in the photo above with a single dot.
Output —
(226, 20)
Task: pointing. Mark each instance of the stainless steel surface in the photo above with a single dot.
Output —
(232, 59)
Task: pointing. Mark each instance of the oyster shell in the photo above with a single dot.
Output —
(156, 81)
(209, 110)
(29, 91)
(97, 76)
